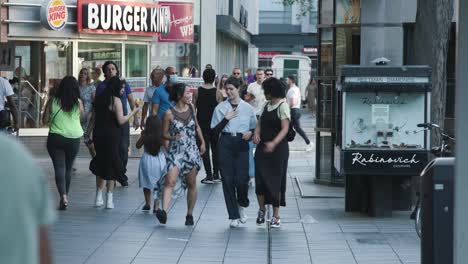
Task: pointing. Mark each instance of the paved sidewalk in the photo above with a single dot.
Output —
(313, 230)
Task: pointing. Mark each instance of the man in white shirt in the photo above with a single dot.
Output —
(6, 93)
(294, 100)
(255, 96)
(156, 76)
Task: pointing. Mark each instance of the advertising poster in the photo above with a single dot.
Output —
(182, 23)
(348, 11)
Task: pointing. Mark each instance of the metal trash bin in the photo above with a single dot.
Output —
(437, 189)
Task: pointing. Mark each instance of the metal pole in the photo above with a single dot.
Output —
(461, 166)
(20, 120)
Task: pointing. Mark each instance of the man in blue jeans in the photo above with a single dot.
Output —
(110, 70)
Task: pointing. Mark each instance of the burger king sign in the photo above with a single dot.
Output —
(54, 14)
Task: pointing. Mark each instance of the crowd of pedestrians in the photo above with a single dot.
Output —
(237, 130)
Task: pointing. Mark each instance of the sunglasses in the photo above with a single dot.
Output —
(269, 74)
(237, 73)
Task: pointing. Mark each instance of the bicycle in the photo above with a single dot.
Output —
(440, 151)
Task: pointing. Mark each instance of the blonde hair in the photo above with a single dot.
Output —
(88, 78)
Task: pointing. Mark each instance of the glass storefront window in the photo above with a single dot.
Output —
(325, 100)
(184, 56)
(326, 12)
(136, 71)
(326, 52)
(348, 42)
(92, 55)
(136, 60)
(348, 12)
(59, 62)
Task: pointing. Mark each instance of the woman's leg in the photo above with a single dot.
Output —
(58, 160)
(72, 146)
(192, 190)
(110, 186)
(171, 178)
(147, 194)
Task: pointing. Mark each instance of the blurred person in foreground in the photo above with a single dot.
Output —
(26, 210)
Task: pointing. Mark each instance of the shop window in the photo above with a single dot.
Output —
(325, 100)
(326, 52)
(59, 62)
(348, 46)
(136, 61)
(92, 55)
(348, 12)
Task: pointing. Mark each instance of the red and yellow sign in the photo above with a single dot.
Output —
(55, 14)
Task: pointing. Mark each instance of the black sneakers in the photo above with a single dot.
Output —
(207, 180)
(161, 216)
(260, 217)
(189, 220)
(216, 178)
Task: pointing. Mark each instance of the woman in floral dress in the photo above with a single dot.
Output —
(183, 158)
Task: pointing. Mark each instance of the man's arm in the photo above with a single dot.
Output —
(14, 111)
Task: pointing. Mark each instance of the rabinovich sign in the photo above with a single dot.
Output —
(118, 17)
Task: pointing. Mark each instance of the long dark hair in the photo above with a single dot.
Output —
(176, 92)
(68, 93)
(152, 139)
(106, 98)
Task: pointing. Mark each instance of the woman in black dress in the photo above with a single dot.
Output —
(108, 114)
(271, 156)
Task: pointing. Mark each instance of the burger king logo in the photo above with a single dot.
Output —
(54, 14)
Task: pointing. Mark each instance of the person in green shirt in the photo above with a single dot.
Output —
(63, 113)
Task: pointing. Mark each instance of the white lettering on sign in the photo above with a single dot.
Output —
(93, 16)
(358, 158)
(129, 18)
(376, 79)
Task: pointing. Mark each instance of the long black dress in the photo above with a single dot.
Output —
(271, 168)
(107, 163)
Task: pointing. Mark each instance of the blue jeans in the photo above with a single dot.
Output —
(251, 160)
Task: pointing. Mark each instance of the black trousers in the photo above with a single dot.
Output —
(295, 116)
(63, 152)
(123, 149)
(233, 156)
(211, 142)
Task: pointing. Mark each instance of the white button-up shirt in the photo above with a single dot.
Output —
(243, 122)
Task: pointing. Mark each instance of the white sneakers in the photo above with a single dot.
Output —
(99, 201)
(310, 147)
(234, 223)
(243, 215)
(110, 201)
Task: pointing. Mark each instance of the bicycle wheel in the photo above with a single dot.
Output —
(417, 222)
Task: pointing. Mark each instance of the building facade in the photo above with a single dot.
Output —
(283, 30)
(355, 33)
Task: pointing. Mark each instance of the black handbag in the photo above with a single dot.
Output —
(5, 118)
(291, 133)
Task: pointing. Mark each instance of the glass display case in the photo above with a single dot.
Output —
(380, 108)
(384, 120)
(379, 146)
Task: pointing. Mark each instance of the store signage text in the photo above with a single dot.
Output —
(390, 101)
(376, 79)
(182, 23)
(397, 162)
(129, 18)
(54, 14)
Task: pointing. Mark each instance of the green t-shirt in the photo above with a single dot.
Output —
(25, 204)
(63, 123)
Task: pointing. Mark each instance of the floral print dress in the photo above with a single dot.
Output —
(183, 153)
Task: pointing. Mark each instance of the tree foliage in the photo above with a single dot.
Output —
(305, 6)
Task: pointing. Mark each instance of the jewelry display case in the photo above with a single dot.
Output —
(377, 135)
